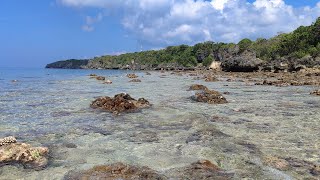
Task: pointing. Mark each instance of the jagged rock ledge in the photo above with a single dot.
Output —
(13, 152)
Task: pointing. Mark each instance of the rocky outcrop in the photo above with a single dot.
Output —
(120, 103)
(132, 76)
(116, 171)
(316, 92)
(100, 78)
(69, 64)
(12, 152)
(210, 78)
(209, 96)
(196, 87)
(7, 140)
(244, 62)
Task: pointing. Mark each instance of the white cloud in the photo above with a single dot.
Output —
(90, 21)
(167, 22)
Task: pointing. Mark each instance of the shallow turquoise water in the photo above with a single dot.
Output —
(47, 107)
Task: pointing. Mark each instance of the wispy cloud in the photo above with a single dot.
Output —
(90, 21)
(166, 22)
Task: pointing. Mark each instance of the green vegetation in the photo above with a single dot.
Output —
(302, 42)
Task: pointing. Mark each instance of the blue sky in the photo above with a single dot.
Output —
(34, 33)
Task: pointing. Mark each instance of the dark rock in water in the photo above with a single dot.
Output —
(244, 62)
(120, 103)
(207, 133)
(301, 166)
(147, 73)
(12, 152)
(195, 87)
(114, 172)
(69, 145)
(135, 80)
(202, 170)
(144, 137)
(93, 75)
(100, 78)
(315, 170)
(220, 119)
(316, 92)
(251, 148)
(132, 76)
(60, 114)
(210, 78)
(209, 96)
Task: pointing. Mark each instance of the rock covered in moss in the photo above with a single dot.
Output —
(120, 103)
(116, 171)
(22, 153)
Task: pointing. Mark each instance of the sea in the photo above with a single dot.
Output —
(51, 108)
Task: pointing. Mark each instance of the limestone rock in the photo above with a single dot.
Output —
(22, 153)
(114, 172)
(132, 76)
(209, 96)
(120, 103)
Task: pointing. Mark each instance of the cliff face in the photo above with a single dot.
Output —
(69, 64)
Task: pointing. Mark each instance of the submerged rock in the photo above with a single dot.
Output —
(210, 78)
(301, 166)
(209, 96)
(135, 80)
(207, 133)
(202, 169)
(116, 171)
(316, 92)
(132, 76)
(93, 75)
(195, 87)
(100, 78)
(12, 152)
(120, 103)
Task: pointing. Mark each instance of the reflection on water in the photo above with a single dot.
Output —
(51, 108)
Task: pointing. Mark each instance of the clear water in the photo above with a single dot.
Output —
(48, 107)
